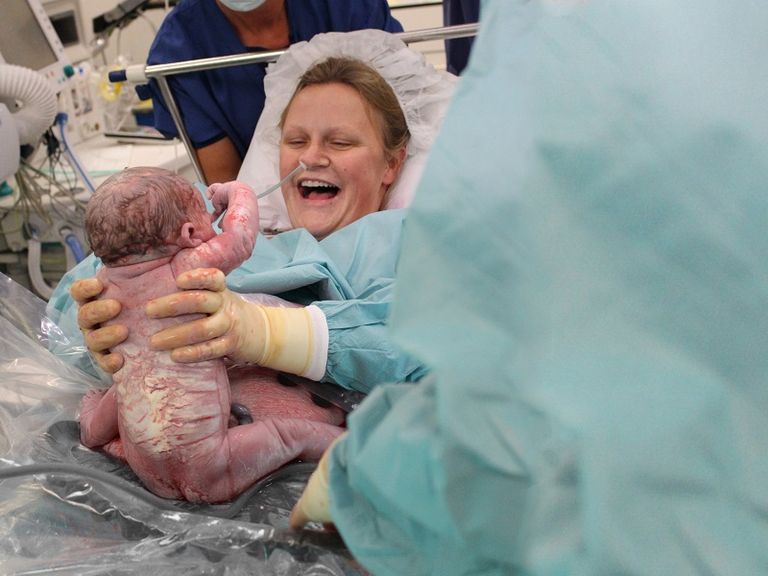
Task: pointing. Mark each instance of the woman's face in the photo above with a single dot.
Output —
(329, 127)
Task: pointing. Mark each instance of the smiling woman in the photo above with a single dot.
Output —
(353, 150)
(403, 99)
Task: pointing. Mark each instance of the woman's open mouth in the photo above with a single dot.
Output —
(317, 190)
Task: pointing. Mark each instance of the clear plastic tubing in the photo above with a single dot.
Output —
(285, 179)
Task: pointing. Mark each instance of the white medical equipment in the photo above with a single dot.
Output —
(26, 214)
(37, 80)
(68, 20)
(9, 144)
(22, 124)
(27, 38)
(42, 200)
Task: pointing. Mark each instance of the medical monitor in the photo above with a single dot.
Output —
(67, 19)
(27, 38)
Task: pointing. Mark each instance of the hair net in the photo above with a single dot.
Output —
(423, 93)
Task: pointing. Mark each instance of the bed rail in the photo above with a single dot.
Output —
(160, 72)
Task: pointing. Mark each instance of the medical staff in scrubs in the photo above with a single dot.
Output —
(457, 50)
(341, 263)
(220, 108)
(585, 269)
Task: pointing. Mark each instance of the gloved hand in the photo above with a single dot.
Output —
(314, 504)
(90, 314)
(273, 337)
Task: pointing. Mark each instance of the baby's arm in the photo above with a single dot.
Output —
(239, 228)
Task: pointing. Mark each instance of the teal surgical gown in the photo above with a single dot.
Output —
(585, 269)
(349, 275)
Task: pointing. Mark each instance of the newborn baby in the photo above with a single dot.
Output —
(170, 421)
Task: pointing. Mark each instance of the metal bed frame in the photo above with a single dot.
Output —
(160, 72)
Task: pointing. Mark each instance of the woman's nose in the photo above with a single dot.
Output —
(314, 157)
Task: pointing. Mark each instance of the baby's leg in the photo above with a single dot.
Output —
(264, 397)
(98, 417)
(262, 447)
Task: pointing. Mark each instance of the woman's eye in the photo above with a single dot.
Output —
(341, 144)
(294, 142)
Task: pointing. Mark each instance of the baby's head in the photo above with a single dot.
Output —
(141, 212)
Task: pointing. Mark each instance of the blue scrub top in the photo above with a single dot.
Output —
(228, 101)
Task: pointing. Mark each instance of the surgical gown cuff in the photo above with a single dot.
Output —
(295, 340)
(319, 359)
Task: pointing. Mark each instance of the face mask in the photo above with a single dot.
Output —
(242, 5)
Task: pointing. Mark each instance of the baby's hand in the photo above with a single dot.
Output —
(220, 194)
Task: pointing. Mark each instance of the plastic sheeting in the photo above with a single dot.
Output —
(99, 520)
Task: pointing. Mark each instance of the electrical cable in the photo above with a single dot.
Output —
(72, 215)
(73, 244)
(39, 200)
(35, 271)
(148, 21)
(61, 120)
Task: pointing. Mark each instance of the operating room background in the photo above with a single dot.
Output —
(49, 217)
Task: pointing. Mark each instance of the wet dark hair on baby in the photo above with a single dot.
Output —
(136, 210)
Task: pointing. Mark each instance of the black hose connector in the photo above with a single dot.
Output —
(117, 75)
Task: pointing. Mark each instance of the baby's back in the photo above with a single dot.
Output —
(167, 412)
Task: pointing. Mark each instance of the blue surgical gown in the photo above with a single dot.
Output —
(585, 270)
(228, 101)
(349, 275)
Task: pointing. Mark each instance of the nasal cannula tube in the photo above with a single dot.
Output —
(288, 176)
(274, 187)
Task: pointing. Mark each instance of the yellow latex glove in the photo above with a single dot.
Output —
(314, 504)
(273, 337)
(90, 314)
